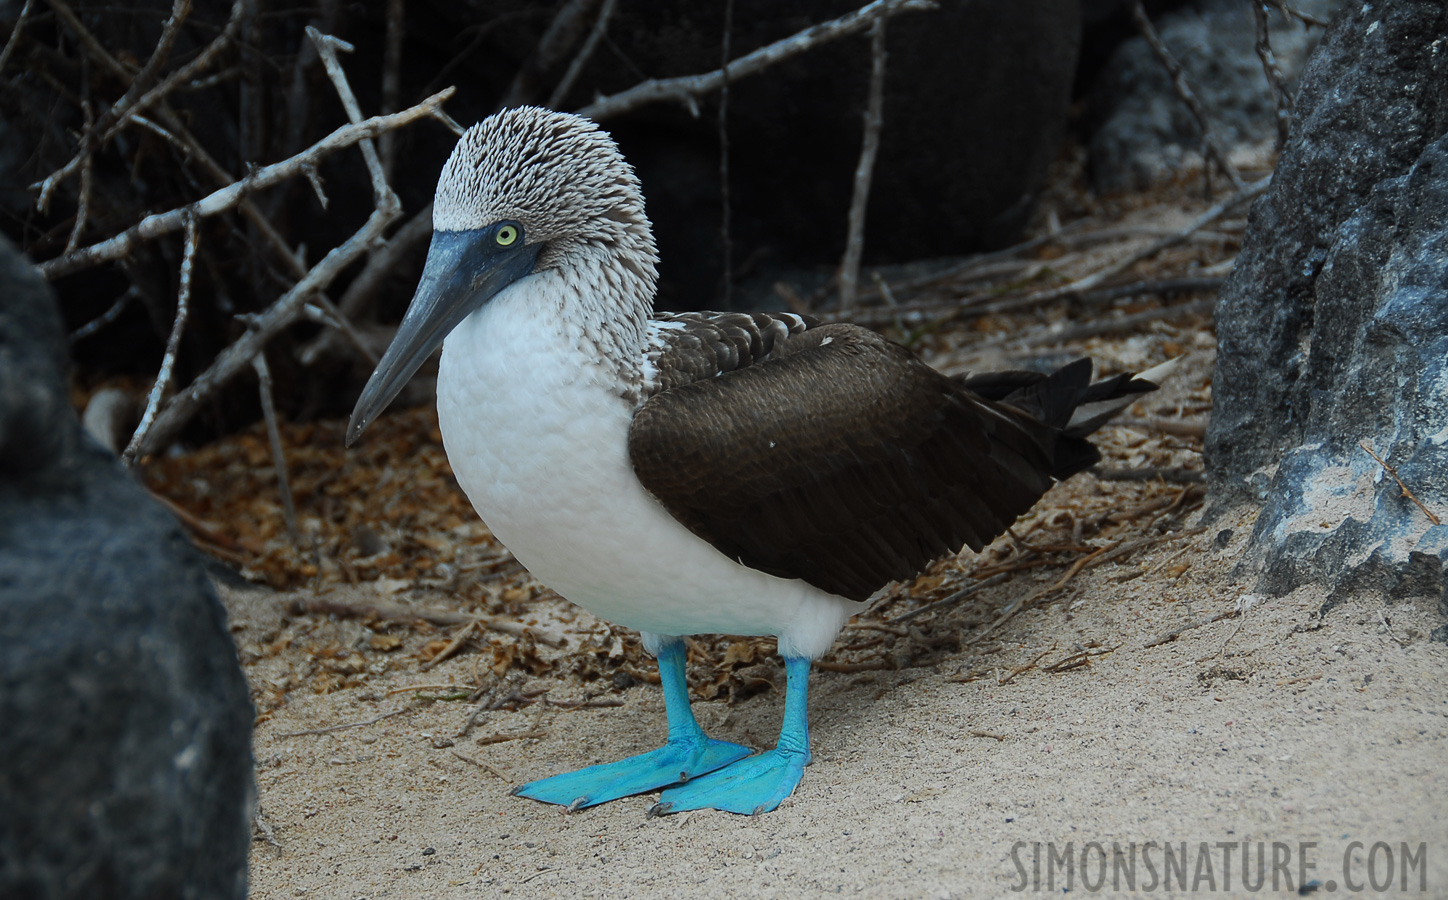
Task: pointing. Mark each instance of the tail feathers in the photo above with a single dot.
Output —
(1066, 399)
(1105, 399)
(1047, 398)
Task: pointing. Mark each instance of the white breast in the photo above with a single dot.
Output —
(537, 435)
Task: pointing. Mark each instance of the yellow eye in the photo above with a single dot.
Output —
(507, 235)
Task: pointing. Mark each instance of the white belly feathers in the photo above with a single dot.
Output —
(537, 435)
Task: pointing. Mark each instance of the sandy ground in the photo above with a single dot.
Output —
(1279, 725)
(974, 765)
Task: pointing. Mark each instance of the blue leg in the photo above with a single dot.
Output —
(760, 783)
(687, 754)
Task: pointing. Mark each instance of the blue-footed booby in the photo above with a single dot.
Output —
(752, 474)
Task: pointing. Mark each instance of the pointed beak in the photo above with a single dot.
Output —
(465, 269)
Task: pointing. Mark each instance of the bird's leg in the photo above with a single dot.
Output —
(687, 754)
(760, 783)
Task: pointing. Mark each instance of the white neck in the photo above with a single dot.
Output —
(592, 302)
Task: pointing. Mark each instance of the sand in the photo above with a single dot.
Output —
(1277, 725)
(1078, 725)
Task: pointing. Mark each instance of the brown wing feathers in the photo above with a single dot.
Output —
(843, 460)
(704, 344)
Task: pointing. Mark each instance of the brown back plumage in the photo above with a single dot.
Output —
(843, 460)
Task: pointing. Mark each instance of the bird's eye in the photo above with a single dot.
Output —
(507, 235)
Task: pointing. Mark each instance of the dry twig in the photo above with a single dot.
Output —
(1176, 474)
(137, 97)
(1175, 633)
(325, 607)
(688, 89)
(279, 453)
(585, 53)
(446, 652)
(504, 738)
(1432, 517)
(290, 305)
(391, 80)
(14, 38)
(1179, 427)
(327, 47)
(122, 111)
(1100, 556)
(482, 765)
(1212, 147)
(1085, 288)
(1273, 72)
(558, 38)
(1245, 194)
(952, 599)
(153, 226)
(173, 343)
(87, 169)
(1112, 325)
(1024, 667)
(345, 726)
(724, 211)
(865, 168)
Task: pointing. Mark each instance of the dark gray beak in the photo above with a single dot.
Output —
(464, 270)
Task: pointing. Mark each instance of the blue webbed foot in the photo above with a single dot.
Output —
(748, 787)
(675, 762)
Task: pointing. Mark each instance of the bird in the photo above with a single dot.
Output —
(697, 472)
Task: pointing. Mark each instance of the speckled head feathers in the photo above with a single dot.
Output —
(559, 175)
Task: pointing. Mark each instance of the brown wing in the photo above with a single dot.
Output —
(695, 345)
(842, 460)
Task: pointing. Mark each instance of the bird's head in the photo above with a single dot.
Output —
(525, 191)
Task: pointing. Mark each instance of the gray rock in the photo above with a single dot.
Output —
(125, 749)
(1333, 326)
(1142, 131)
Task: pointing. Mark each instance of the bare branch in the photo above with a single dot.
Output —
(170, 30)
(1248, 192)
(1116, 325)
(107, 317)
(15, 33)
(88, 40)
(391, 79)
(1432, 517)
(188, 144)
(688, 89)
(327, 47)
(727, 245)
(87, 169)
(90, 139)
(1213, 148)
(419, 228)
(363, 289)
(992, 303)
(558, 38)
(279, 454)
(185, 73)
(865, 169)
(1275, 81)
(220, 201)
(600, 28)
(293, 303)
(235, 358)
(1293, 12)
(173, 343)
